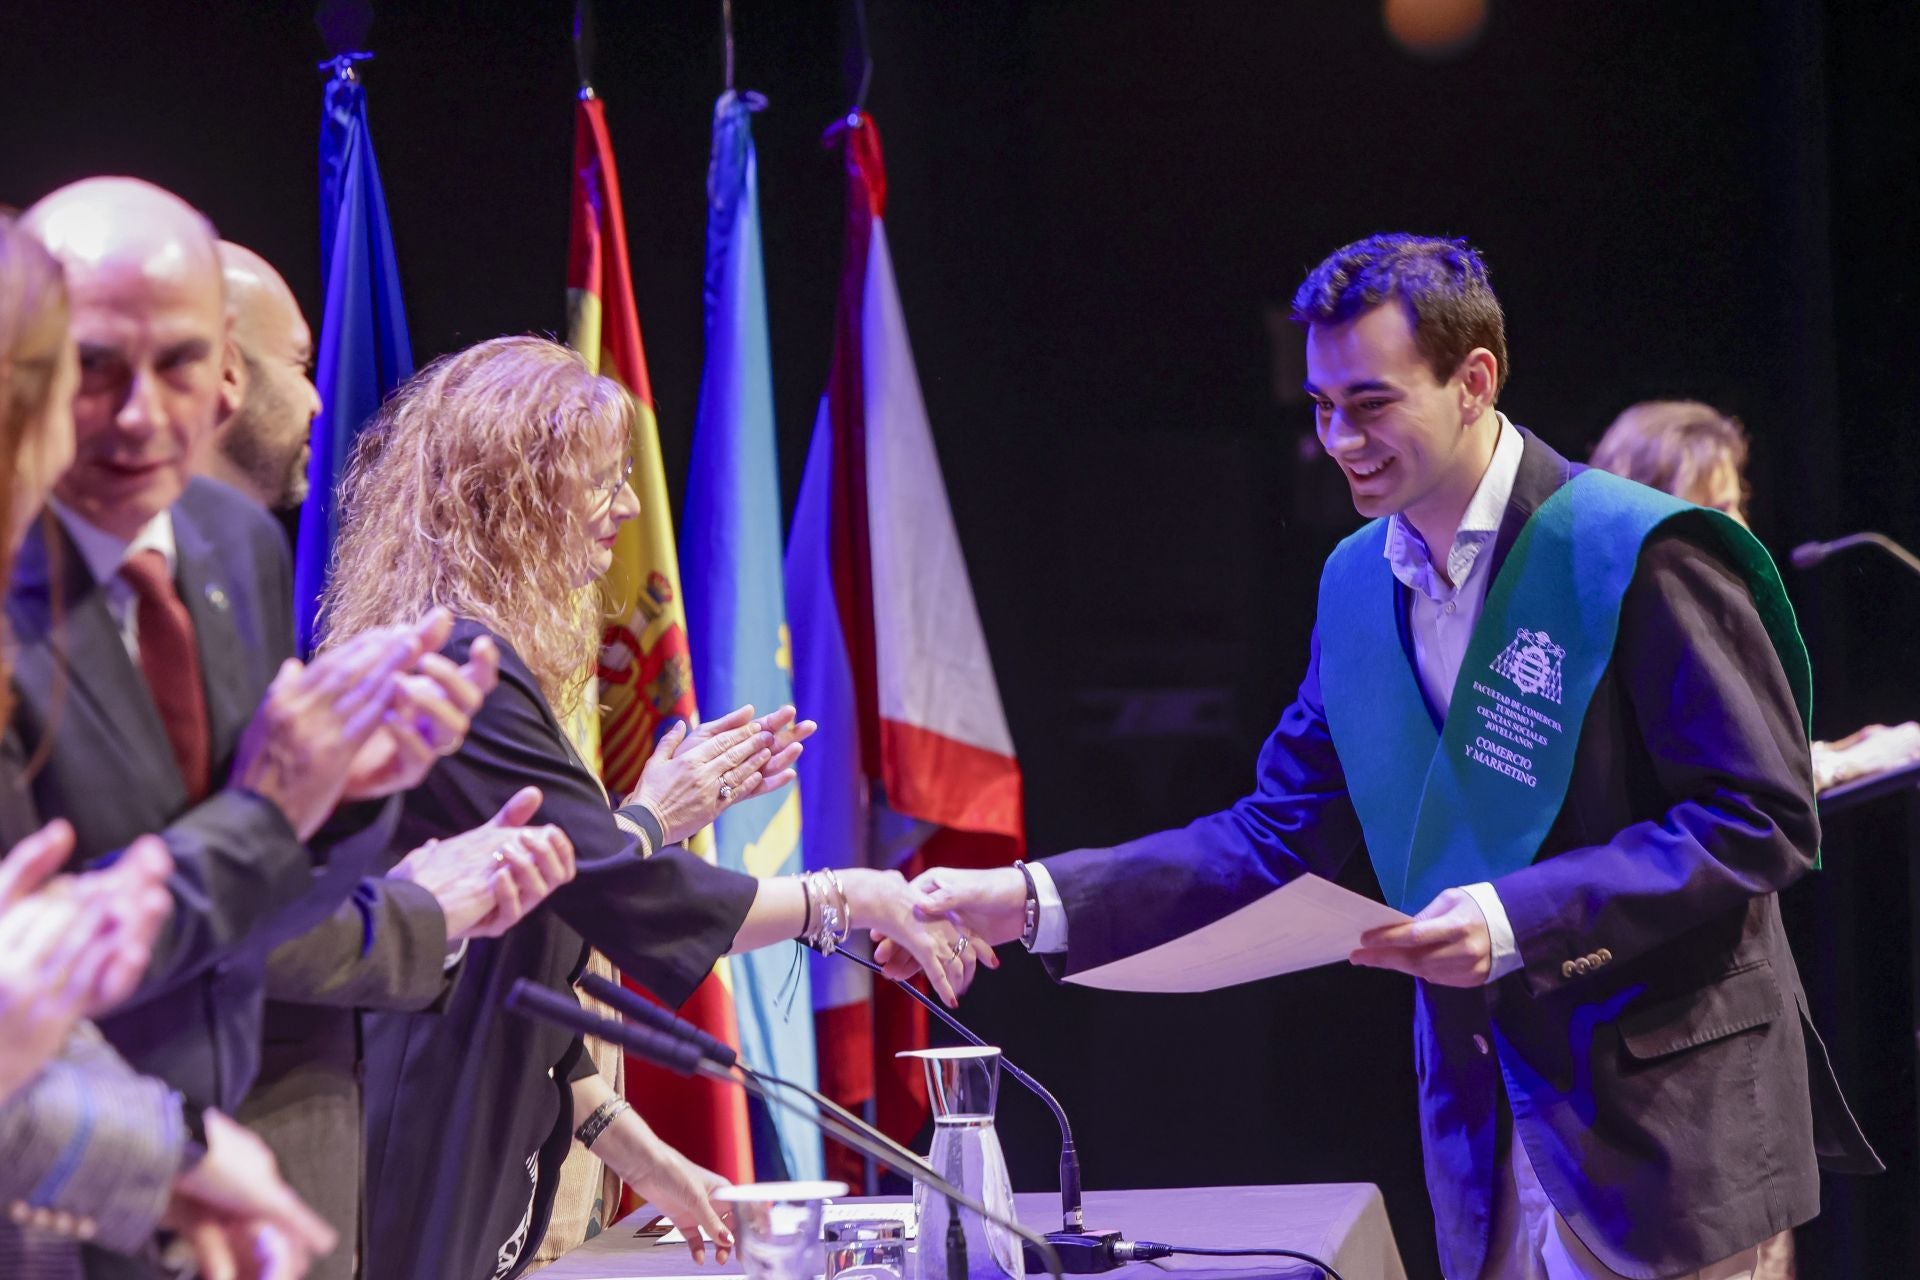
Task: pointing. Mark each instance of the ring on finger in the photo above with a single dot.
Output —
(956, 948)
(500, 857)
(726, 791)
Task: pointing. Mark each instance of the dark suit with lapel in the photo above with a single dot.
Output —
(1673, 1097)
(251, 908)
(109, 770)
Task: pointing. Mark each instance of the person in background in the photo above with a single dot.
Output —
(260, 439)
(306, 1102)
(91, 1151)
(162, 601)
(493, 483)
(1682, 447)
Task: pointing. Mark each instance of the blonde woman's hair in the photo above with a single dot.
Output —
(33, 331)
(467, 490)
(1672, 445)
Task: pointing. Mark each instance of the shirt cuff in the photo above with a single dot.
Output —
(455, 956)
(1506, 953)
(1050, 935)
(643, 824)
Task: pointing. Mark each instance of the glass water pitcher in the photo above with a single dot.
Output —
(963, 1084)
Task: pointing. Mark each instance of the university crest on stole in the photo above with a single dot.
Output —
(1532, 662)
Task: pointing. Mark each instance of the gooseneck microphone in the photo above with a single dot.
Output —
(1809, 554)
(641, 1009)
(684, 1057)
(1082, 1252)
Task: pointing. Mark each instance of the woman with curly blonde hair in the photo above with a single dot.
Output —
(493, 483)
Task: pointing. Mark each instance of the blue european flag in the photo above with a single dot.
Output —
(364, 352)
(735, 597)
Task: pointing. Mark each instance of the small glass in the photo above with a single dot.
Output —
(963, 1084)
(867, 1249)
(776, 1226)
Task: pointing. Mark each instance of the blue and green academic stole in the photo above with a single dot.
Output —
(1474, 799)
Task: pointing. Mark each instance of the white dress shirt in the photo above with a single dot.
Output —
(1444, 611)
(104, 553)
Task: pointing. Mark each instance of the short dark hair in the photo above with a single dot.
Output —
(1442, 284)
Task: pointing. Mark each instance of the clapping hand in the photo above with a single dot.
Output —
(303, 740)
(71, 947)
(432, 708)
(236, 1214)
(692, 776)
(487, 879)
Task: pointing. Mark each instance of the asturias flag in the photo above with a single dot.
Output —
(913, 760)
(736, 605)
(645, 676)
(364, 352)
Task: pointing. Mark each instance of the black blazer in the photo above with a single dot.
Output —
(464, 1106)
(1671, 1091)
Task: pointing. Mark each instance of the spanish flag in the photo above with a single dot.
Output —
(645, 674)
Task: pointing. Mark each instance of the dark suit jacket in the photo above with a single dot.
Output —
(1674, 1097)
(462, 1106)
(243, 883)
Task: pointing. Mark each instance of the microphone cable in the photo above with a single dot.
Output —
(1148, 1250)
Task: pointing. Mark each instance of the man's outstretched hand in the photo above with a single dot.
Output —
(989, 907)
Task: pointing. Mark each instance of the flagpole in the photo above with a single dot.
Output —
(583, 45)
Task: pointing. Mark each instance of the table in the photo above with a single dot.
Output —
(1345, 1223)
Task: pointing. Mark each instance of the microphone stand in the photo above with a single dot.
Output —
(685, 1058)
(1082, 1252)
(1809, 554)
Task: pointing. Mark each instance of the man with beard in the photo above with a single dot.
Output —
(267, 397)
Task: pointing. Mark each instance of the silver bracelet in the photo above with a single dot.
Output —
(603, 1116)
(834, 922)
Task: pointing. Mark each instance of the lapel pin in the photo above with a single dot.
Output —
(216, 597)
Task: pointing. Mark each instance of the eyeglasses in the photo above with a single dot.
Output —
(612, 488)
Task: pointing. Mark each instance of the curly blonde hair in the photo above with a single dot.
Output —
(467, 490)
(33, 329)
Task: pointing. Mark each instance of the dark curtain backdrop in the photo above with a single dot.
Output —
(1098, 211)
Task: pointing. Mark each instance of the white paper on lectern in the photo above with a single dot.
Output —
(1303, 924)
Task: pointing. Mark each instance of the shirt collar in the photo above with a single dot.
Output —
(105, 553)
(1407, 552)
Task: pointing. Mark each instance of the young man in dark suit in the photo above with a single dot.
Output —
(1567, 716)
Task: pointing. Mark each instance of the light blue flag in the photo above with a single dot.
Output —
(736, 610)
(364, 352)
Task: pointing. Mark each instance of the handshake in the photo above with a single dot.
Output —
(987, 908)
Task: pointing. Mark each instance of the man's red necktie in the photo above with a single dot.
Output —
(170, 659)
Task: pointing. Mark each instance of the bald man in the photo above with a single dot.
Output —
(268, 402)
(174, 595)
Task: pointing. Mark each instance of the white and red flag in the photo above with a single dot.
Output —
(913, 764)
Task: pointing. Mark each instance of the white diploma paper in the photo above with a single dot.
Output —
(1303, 924)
